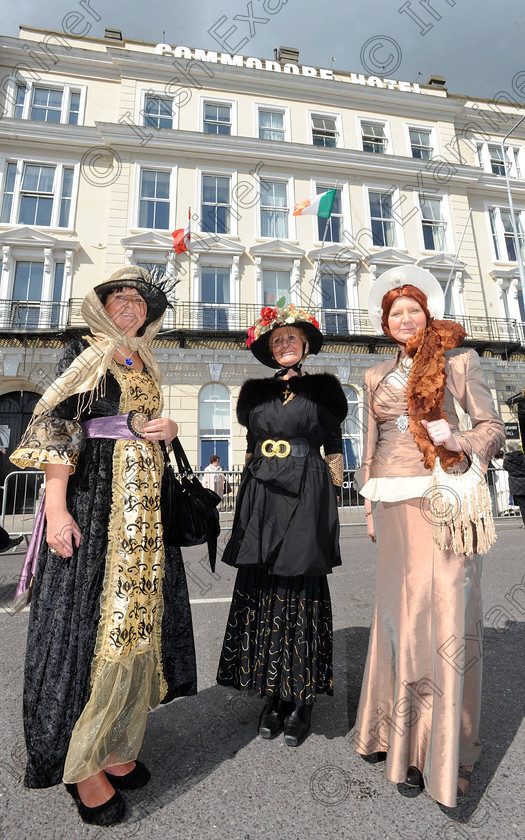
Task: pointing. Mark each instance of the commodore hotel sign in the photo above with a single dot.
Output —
(212, 57)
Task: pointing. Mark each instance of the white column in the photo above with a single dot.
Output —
(47, 288)
(233, 320)
(295, 285)
(6, 285)
(458, 286)
(258, 282)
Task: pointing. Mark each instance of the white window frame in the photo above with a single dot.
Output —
(359, 403)
(500, 232)
(278, 109)
(378, 121)
(222, 262)
(433, 139)
(345, 208)
(445, 218)
(397, 211)
(515, 154)
(161, 94)
(268, 266)
(231, 103)
(49, 256)
(234, 212)
(202, 437)
(290, 195)
(331, 115)
(66, 89)
(57, 191)
(134, 206)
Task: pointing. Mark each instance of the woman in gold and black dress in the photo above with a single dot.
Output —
(110, 633)
(285, 535)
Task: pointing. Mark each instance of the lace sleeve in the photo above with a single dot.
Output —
(49, 440)
(335, 465)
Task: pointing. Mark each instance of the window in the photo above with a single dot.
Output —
(334, 232)
(352, 431)
(274, 209)
(215, 289)
(37, 194)
(214, 424)
(27, 294)
(490, 157)
(271, 125)
(154, 201)
(47, 104)
(382, 221)
(432, 223)
(333, 291)
(503, 233)
(215, 215)
(447, 291)
(276, 284)
(217, 118)
(324, 131)
(374, 137)
(158, 112)
(420, 143)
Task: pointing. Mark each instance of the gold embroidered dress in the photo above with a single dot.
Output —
(117, 638)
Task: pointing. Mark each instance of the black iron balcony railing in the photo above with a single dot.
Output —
(37, 316)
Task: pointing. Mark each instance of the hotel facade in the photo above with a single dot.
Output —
(106, 143)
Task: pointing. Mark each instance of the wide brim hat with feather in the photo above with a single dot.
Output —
(282, 315)
(153, 287)
(396, 278)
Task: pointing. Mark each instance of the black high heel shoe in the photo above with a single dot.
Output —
(273, 716)
(297, 726)
(135, 779)
(109, 813)
(414, 778)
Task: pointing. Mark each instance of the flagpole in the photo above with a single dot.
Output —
(318, 266)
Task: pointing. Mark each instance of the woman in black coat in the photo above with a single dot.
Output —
(514, 463)
(285, 536)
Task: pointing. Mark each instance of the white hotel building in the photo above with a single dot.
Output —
(105, 143)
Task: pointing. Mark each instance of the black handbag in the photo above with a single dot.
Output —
(189, 510)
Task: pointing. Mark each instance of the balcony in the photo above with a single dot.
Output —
(213, 320)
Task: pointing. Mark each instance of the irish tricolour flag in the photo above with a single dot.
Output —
(318, 205)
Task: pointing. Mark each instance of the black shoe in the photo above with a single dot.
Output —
(374, 758)
(297, 726)
(414, 778)
(108, 813)
(273, 716)
(12, 543)
(135, 779)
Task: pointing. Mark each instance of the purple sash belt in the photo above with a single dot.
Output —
(116, 427)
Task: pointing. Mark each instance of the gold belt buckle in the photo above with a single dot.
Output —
(275, 448)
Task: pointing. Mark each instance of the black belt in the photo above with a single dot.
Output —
(279, 448)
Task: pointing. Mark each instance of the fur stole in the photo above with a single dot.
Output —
(321, 388)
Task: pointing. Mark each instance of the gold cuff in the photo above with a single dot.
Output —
(335, 465)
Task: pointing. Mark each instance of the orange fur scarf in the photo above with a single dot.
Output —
(426, 385)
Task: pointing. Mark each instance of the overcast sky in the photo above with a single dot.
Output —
(476, 44)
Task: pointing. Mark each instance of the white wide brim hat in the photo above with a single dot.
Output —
(400, 276)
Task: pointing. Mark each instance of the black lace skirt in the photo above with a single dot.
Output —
(278, 638)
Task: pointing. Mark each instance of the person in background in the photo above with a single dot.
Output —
(213, 478)
(514, 463)
(500, 484)
(7, 543)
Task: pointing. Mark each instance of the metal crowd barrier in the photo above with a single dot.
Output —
(21, 493)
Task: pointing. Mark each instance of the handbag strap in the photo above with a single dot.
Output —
(181, 458)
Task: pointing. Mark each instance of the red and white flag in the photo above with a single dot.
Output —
(182, 236)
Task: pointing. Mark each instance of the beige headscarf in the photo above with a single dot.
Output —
(86, 376)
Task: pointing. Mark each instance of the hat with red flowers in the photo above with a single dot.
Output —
(282, 315)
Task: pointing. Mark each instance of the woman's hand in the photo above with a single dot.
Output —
(370, 529)
(162, 428)
(440, 434)
(62, 532)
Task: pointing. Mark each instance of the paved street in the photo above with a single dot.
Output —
(214, 779)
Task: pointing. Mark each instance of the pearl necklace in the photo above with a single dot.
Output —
(128, 360)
